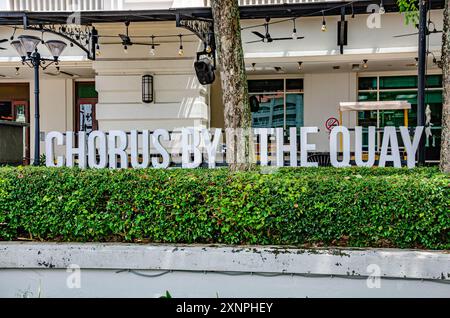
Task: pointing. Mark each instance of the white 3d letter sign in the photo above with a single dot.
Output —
(143, 149)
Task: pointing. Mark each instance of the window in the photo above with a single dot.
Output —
(389, 88)
(6, 111)
(281, 103)
(85, 108)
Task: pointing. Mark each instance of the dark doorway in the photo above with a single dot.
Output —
(85, 107)
(14, 106)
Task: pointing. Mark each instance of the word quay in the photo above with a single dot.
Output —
(143, 149)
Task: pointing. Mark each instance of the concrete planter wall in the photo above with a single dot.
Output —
(130, 270)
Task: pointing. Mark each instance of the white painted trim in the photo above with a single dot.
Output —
(397, 73)
(275, 76)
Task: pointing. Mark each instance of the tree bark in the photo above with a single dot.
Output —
(445, 141)
(237, 114)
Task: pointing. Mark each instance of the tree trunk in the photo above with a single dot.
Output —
(237, 115)
(445, 144)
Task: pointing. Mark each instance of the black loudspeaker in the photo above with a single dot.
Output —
(342, 35)
(254, 104)
(342, 32)
(205, 71)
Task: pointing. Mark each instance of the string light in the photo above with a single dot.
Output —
(17, 71)
(294, 31)
(125, 49)
(152, 50)
(300, 65)
(181, 50)
(97, 49)
(299, 16)
(253, 67)
(14, 33)
(208, 49)
(324, 23)
(365, 64)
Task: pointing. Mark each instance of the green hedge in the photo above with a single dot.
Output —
(292, 206)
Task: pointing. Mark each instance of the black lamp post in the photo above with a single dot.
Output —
(26, 46)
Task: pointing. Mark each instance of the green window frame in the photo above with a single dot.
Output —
(401, 87)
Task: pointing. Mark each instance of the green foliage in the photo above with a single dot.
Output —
(410, 10)
(166, 295)
(292, 206)
(42, 160)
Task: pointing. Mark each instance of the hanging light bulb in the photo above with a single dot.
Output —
(300, 65)
(97, 50)
(253, 67)
(324, 23)
(58, 71)
(381, 10)
(208, 49)
(181, 50)
(294, 32)
(152, 49)
(17, 71)
(365, 64)
(417, 61)
(125, 49)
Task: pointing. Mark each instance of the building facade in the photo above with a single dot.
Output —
(297, 81)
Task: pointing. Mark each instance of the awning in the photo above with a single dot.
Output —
(382, 105)
(310, 8)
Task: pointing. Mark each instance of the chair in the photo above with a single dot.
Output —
(323, 159)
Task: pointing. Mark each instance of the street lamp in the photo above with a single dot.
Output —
(26, 46)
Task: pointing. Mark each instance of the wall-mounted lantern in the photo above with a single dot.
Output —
(147, 89)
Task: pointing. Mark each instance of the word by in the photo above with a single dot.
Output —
(102, 150)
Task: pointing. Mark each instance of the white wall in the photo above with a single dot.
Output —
(179, 99)
(51, 283)
(119, 270)
(56, 109)
(323, 92)
(321, 45)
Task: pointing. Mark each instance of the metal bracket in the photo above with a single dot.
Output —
(84, 37)
(204, 29)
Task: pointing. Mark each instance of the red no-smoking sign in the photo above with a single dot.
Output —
(331, 123)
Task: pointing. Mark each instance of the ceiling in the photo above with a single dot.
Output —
(81, 71)
(247, 12)
(356, 65)
(84, 70)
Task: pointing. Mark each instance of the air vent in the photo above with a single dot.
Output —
(356, 67)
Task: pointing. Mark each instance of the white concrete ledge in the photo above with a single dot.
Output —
(392, 263)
